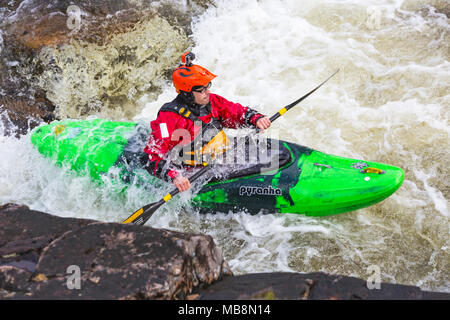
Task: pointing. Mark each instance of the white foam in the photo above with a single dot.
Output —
(439, 201)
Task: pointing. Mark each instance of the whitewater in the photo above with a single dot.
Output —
(389, 103)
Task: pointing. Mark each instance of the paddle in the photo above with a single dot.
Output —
(142, 215)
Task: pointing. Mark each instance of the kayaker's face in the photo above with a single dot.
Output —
(201, 95)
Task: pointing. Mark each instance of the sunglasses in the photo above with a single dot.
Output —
(202, 89)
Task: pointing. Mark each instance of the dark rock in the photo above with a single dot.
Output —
(13, 280)
(24, 233)
(22, 115)
(312, 286)
(115, 261)
(48, 257)
(38, 23)
(129, 262)
(22, 104)
(22, 229)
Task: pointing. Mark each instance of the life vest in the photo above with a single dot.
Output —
(206, 146)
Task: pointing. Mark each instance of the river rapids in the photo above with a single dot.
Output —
(389, 103)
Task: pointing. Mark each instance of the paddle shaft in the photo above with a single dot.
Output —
(142, 215)
(293, 104)
(194, 177)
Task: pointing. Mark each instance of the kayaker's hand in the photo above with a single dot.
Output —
(263, 123)
(181, 183)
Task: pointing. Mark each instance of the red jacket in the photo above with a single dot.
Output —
(164, 135)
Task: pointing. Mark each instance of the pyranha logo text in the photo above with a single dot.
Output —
(265, 191)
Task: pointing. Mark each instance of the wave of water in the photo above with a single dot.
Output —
(389, 103)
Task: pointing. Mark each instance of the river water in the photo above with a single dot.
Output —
(389, 103)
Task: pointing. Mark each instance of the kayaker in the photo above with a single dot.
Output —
(194, 111)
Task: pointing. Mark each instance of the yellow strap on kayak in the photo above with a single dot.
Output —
(59, 129)
(372, 170)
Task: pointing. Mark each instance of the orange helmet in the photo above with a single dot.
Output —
(189, 75)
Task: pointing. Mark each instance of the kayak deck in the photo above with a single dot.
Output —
(312, 183)
(306, 181)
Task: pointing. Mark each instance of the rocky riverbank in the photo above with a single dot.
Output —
(48, 257)
(63, 58)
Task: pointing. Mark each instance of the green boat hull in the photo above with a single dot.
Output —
(309, 182)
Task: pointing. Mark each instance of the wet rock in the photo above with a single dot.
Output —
(22, 115)
(38, 23)
(48, 257)
(91, 57)
(112, 260)
(13, 280)
(24, 233)
(312, 286)
(22, 104)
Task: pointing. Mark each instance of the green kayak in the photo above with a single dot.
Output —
(306, 181)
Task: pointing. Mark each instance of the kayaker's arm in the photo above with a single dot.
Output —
(252, 117)
(162, 170)
(159, 167)
(159, 144)
(234, 115)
